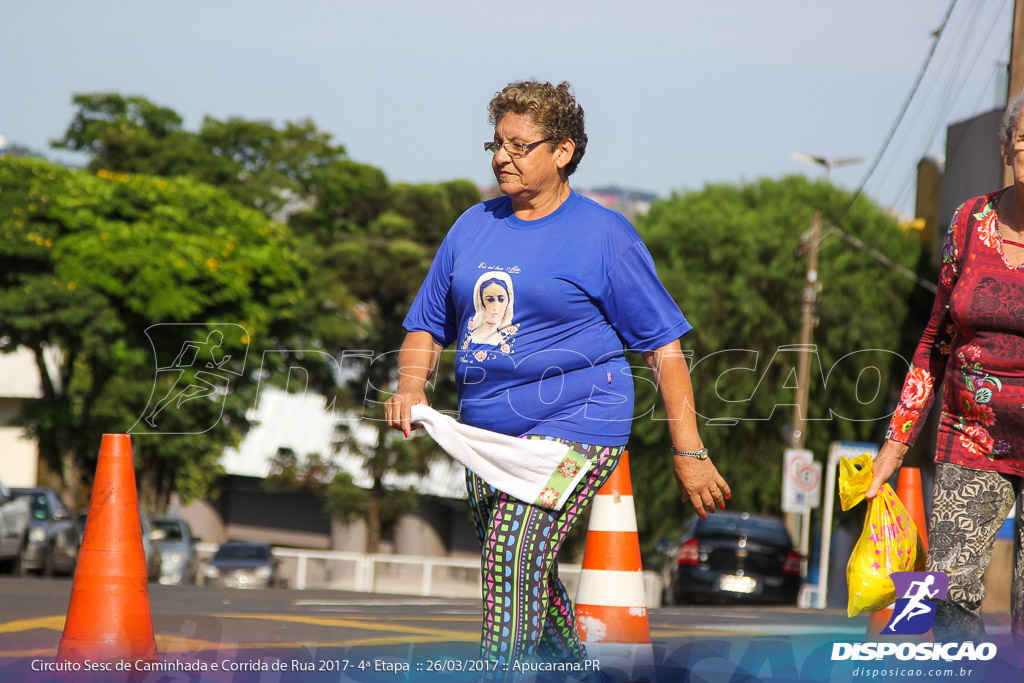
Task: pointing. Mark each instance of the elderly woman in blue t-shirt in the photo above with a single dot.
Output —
(585, 288)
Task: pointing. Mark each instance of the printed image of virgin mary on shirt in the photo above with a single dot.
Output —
(491, 326)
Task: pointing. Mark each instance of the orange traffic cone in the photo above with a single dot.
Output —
(108, 615)
(908, 490)
(611, 605)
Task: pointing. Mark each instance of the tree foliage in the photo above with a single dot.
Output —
(379, 242)
(87, 264)
(366, 244)
(258, 164)
(732, 256)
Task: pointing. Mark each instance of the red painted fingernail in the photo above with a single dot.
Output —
(728, 496)
(406, 433)
(723, 506)
(703, 516)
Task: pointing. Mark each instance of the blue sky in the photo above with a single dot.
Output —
(677, 93)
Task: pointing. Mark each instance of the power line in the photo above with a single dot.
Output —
(939, 81)
(903, 111)
(877, 255)
(885, 260)
(934, 130)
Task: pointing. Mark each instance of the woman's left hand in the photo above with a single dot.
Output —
(701, 484)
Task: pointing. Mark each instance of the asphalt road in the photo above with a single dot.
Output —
(316, 625)
(32, 618)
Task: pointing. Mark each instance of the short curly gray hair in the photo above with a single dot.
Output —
(552, 108)
(1010, 116)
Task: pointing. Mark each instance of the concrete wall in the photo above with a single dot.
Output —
(19, 376)
(19, 453)
(973, 165)
(244, 510)
(349, 537)
(203, 519)
(251, 513)
(19, 457)
(438, 526)
(421, 533)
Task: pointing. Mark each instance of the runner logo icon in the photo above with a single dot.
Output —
(914, 613)
(193, 361)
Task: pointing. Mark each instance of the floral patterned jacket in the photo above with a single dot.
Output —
(972, 349)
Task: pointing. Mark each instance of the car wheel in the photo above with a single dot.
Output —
(20, 568)
(48, 562)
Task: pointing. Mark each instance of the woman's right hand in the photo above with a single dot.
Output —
(886, 463)
(416, 361)
(398, 409)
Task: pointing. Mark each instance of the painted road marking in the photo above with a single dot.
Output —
(372, 603)
(397, 630)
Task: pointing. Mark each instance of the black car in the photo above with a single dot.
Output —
(734, 557)
(242, 564)
(50, 542)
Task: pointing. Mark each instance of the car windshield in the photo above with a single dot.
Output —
(40, 506)
(763, 530)
(172, 530)
(242, 552)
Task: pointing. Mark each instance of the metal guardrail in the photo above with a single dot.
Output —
(428, 576)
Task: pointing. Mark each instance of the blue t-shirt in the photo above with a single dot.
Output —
(539, 312)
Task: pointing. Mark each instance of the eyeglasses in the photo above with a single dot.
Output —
(515, 150)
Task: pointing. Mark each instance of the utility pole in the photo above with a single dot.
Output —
(808, 319)
(1016, 79)
(803, 374)
(807, 322)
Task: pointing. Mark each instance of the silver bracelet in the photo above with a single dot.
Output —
(702, 454)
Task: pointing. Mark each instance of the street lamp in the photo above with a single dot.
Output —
(827, 162)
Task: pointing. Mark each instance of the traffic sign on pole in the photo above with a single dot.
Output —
(801, 483)
(838, 449)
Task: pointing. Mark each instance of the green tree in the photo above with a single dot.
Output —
(342, 499)
(379, 242)
(258, 164)
(133, 135)
(732, 257)
(277, 170)
(87, 264)
(368, 244)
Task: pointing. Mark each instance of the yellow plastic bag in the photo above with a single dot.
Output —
(889, 542)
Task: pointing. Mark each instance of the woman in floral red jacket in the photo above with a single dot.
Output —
(973, 349)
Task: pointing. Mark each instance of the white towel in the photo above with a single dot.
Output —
(540, 472)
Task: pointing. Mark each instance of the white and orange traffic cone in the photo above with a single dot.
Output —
(611, 604)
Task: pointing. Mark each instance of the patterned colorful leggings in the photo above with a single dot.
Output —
(527, 611)
(968, 508)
